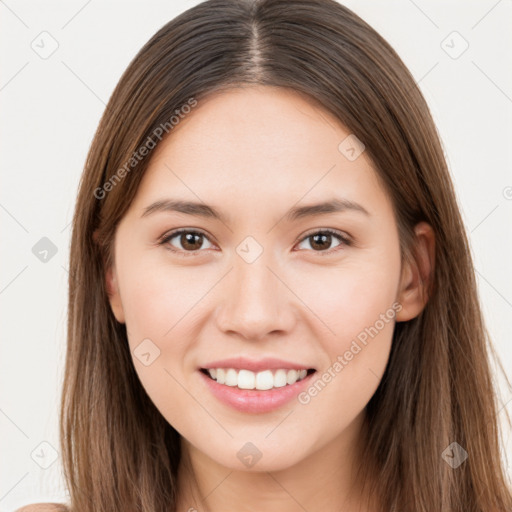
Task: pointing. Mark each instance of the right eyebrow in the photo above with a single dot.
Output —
(187, 207)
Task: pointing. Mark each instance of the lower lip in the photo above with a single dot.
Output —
(253, 400)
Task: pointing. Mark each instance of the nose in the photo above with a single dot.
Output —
(256, 302)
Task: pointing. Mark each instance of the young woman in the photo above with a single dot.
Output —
(272, 302)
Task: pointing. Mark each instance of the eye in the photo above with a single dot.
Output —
(321, 240)
(191, 241)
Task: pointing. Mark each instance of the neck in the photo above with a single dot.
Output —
(324, 480)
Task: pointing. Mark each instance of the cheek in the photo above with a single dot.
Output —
(158, 304)
(362, 318)
(352, 297)
(355, 305)
(158, 299)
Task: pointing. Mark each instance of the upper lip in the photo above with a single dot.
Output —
(268, 363)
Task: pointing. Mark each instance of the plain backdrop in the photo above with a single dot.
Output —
(459, 52)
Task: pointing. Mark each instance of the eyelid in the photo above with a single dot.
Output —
(343, 236)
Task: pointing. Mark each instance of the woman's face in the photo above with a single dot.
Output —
(255, 284)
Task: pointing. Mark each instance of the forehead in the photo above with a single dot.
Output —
(244, 121)
(260, 145)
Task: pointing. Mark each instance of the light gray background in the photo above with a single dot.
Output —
(51, 108)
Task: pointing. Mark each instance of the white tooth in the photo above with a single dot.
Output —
(221, 376)
(292, 376)
(231, 377)
(246, 379)
(280, 378)
(264, 380)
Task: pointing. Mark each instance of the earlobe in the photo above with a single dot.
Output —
(114, 296)
(417, 274)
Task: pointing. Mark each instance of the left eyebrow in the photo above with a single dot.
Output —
(298, 212)
(333, 206)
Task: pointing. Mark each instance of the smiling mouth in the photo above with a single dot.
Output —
(262, 381)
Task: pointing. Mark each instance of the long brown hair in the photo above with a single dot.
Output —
(119, 453)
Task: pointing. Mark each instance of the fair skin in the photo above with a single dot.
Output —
(253, 153)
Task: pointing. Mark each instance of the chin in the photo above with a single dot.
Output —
(257, 456)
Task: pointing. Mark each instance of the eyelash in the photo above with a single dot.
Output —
(168, 237)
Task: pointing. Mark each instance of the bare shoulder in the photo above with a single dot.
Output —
(44, 507)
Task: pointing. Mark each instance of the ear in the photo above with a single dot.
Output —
(114, 296)
(111, 285)
(417, 274)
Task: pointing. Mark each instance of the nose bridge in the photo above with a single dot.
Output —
(254, 281)
(255, 301)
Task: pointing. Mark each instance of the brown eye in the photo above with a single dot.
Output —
(191, 241)
(186, 240)
(321, 241)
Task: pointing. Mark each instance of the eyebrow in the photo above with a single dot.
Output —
(298, 212)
